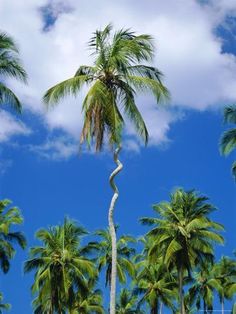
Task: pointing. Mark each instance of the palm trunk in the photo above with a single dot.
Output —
(222, 306)
(161, 306)
(113, 231)
(154, 310)
(204, 307)
(181, 295)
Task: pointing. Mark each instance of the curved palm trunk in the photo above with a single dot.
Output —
(113, 231)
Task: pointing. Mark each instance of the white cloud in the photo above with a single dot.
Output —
(59, 148)
(10, 127)
(197, 72)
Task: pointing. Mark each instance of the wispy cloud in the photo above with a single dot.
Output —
(57, 148)
(10, 127)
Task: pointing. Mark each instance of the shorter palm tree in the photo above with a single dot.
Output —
(10, 67)
(184, 234)
(228, 139)
(156, 285)
(225, 274)
(4, 306)
(86, 302)
(60, 267)
(9, 217)
(104, 255)
(202, 289)
(127, 303)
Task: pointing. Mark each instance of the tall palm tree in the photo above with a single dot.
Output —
(10, 67)
(127, 303)
(183, 233)
(104, 255)
(60, 267)
(119, 71)
(225, 274)
(8, 218)
(3, 306)
(228, 139)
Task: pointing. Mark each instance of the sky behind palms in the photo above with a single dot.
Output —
(41, 170)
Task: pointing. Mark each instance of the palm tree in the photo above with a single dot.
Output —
(127, 303)
(183, 234)
(117, 74)
(10, 67)
(104, 255)
(157, 286)
(9, 217)
(225, 274)
(87, 302)
(3, 306)
(203, 287)
(228, 140)
(60, 267)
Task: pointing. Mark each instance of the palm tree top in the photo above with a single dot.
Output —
(119, 71)
(230, 114)
(10, 67)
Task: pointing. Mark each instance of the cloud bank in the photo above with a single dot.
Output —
(197, 72)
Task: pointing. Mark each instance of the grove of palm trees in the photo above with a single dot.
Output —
(125, 185)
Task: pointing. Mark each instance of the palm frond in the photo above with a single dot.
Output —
(7, 97)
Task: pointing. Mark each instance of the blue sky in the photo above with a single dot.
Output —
(41, 170)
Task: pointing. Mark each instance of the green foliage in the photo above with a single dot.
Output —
(228, 139)
(4, 306)
(156, 285)
(60, 267)
(225, 275)
(127, 303)
(10, 67)
(104, 257)
(117, 74)
(183, 234)
(9, 216)
(89, 301)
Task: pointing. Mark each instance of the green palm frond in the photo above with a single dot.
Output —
(228, 141)
(7, 97)
(68, 87)
(147, 84)
(230, 114)
(8, 238)
(60, 269)
(10, 66)
(118, 73)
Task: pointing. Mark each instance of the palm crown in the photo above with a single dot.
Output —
(228, 139)
(10, 66)
(60, 267)
(117, 74)
(8, 218)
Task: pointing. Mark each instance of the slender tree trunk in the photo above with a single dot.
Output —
(154, 310)
(161, 306)
(113, 231)
(222, 306)
(181, 295)
(204, 307)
